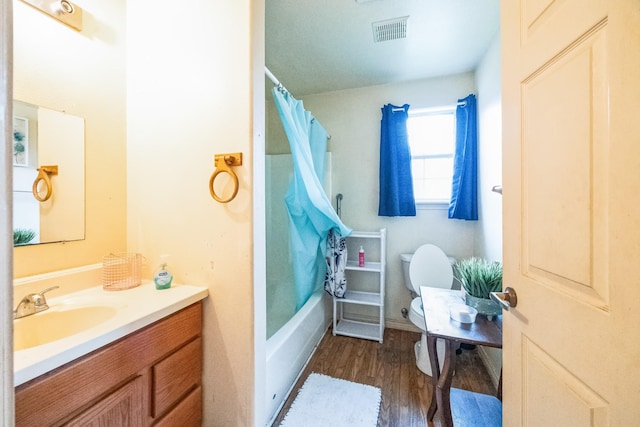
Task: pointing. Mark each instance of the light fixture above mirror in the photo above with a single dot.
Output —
(63, 10)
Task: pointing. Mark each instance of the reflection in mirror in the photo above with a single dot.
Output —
(44, 137)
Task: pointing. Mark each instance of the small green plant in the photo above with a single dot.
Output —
(22, 236)
(479, 277)
(18, 146)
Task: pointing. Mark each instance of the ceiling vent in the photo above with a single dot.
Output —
(391, 29)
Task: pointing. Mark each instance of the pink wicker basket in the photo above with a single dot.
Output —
(121, 271)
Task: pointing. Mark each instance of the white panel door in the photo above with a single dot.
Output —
(571, 170)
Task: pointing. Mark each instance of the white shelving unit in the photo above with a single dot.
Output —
(373, 296)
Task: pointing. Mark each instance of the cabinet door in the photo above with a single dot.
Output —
(123, 407)
(188, 413)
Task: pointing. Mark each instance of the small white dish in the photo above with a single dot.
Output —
(463, 313)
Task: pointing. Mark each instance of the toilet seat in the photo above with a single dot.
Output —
(431, 267)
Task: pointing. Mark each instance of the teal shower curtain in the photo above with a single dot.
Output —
(311, 215)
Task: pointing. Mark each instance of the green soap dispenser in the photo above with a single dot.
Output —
(163, 277)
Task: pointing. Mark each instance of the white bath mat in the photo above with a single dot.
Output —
(325, 401)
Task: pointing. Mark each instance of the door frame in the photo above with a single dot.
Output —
(7, 405)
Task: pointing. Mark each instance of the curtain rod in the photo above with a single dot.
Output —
(273, 78)
(276, 82)
(434, 109)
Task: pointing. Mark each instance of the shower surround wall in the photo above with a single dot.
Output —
(281, 301)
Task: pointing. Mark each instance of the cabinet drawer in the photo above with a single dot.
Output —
(188, 413)
(174, 376)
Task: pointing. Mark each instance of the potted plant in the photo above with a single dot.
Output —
(479, 277)
(22, 236)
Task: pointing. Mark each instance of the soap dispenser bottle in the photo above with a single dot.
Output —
(163, 277)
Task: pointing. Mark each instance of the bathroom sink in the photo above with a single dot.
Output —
(57, 323)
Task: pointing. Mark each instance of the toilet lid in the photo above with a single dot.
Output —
(430, 267)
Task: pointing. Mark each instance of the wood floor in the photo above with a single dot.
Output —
(406, 391)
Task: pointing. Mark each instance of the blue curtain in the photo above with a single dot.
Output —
(311, 215)
(396, 183)
(464, 187)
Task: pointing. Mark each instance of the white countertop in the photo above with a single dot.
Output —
(136, 308)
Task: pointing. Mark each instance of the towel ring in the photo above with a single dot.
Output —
(223, 163)
(44, 173)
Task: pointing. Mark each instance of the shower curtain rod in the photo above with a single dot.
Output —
(276, 82)
(273, 78)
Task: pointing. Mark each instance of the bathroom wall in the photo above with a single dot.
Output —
(488, 241)
(489, 233)
(190, 96)
(82, 73)
(189, 75)
(352, 117)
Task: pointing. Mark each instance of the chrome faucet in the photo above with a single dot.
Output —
(32, 304)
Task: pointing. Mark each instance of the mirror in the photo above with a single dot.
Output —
(53, 211)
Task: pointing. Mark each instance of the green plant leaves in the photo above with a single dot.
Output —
(479, 277)
(22, 236)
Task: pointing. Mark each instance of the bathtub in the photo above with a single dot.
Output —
(289, 349)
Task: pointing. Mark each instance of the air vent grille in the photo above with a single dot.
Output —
(390, 29)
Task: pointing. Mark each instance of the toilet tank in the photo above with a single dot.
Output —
(405, 259)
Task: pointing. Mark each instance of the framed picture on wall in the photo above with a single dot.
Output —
(20, 141)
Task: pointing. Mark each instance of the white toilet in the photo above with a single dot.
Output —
(428, 266)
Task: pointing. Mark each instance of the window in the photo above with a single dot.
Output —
(432, 143)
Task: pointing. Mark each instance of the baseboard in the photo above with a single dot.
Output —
(493, 365)
(403, 325)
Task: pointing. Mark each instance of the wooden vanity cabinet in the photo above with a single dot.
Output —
(152, 377)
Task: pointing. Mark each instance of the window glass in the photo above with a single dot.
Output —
(432, 142)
